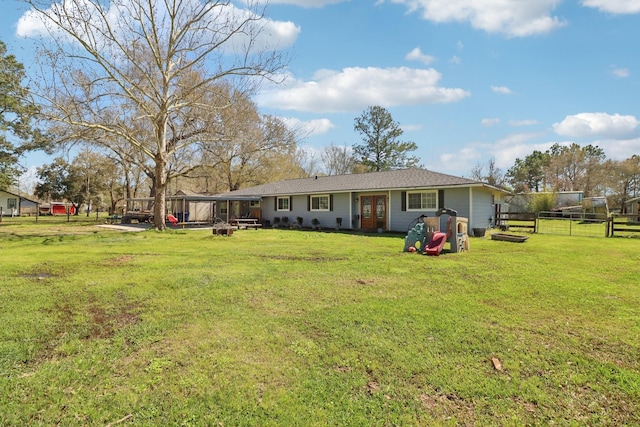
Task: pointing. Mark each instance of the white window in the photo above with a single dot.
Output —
(422, 201)
(320, 203)
(283, 204)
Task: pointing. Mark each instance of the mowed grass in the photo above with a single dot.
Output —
(280, 327)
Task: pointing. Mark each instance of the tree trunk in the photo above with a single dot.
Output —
(160, 202)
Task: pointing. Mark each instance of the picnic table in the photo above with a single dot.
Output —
(246, 223)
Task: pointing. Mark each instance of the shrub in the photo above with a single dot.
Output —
(542, 202)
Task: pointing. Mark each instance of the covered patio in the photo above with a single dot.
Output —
(194, 209)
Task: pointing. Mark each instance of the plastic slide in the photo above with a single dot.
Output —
(173, 220)
(436, 244)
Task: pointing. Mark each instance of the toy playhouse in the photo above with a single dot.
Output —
(426, 236)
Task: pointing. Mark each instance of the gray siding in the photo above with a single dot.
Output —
(399, 220)
(454, 198)
(299, 207)
(483, 209)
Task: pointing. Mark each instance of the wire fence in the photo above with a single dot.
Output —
(572, 224)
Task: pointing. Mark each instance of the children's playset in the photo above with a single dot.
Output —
(427, 238)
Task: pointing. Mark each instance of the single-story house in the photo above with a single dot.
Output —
(13, 204)
(391, 200)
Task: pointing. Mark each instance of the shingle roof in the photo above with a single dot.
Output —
(385, 180)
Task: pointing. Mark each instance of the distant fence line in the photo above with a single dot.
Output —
(584, 224)
(623, 224)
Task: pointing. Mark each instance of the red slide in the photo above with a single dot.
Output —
(434, 247)
(173, 220)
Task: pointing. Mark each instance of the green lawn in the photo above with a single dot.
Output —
(278, 327)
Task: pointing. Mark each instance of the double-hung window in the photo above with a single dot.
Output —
(283, 204)
(320, 203)
(422, 201)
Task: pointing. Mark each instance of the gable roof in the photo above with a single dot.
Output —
(19, 196)
(9, 193)
(405, 179)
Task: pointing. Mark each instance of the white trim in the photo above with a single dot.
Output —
(421, 209)
(318, 196)
(288, 199)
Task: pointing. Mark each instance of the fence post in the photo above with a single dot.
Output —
(570, 225)
(613, 225)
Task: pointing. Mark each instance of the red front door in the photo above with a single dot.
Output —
(373, 212)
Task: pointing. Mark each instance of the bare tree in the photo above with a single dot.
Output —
(139, 73)
(338, 160)
(242, 145)
(493, 175)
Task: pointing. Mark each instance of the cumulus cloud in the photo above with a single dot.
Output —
(307, 3)
(503, 90)
(266, 33)
(512, 18)
(355, 88)
(617, 149)
(598, 125)
(614, 6)
(518, 145)
(463, 159)
(417, 55)
(308, 127)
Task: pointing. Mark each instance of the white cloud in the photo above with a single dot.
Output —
(614, 6)
(621, 73)
(28, 180)
(308, 127)
(355, 88)
(601, 125)
(455, 59)
(503, 90)
(411, 128)
(307, 3)
(417, 55)
(490, 122)
(512, 18)
(463, 159)
(516, 145)
(266, 33)
(617, 149)
(518, 123)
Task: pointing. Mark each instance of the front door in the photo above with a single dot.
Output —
(373, 211)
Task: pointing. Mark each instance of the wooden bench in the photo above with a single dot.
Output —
(193, 223)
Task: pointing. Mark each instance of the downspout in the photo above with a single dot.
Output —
(351, 210)
(471, 206)
(388, 210)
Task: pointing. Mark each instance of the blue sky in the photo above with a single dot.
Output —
(468, 80)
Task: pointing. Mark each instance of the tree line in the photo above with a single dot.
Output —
(568, 168)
